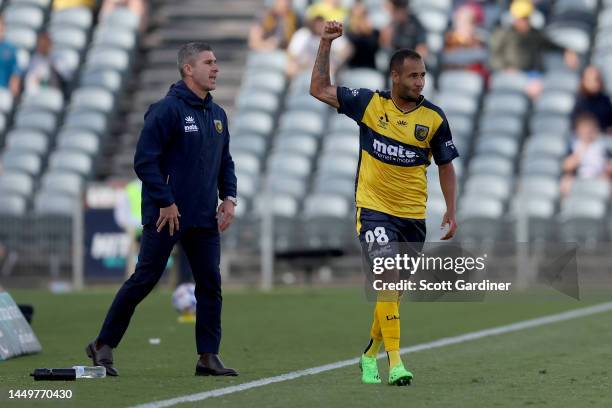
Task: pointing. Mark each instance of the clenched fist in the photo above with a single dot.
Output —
(332, 30)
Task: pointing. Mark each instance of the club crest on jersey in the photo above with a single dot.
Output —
(421, 132)
(218, 126)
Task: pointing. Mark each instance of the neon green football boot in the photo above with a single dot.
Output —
(369, 370)
(398, 375)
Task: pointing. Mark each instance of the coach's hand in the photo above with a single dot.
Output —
(449, 219)
(225, 214)
(168, 215)
(332, 30)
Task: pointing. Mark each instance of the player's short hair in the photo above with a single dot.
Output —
(398, 57)
(188, 52)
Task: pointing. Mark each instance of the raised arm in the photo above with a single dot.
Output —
(320, 83)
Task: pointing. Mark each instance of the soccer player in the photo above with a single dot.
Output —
(399, 133)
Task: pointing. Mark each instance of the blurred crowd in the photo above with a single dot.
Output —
(485, 36)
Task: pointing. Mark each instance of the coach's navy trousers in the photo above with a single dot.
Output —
(202, 247)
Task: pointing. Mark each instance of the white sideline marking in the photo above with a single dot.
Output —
(446, 341)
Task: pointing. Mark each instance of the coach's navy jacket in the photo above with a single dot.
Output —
(183, 157)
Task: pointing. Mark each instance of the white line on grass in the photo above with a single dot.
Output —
(447, 341)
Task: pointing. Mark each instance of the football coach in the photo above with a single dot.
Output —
(184, 162)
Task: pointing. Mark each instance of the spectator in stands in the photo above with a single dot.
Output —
(304, 45)
(138, 7)
(363, 37)
(44, 70)
(593, 98)
(405, 30)
(588, 158)
(328, 9)
(520, 47)
(10, 73)
(464, 47)
(274, 28)
(66, 4)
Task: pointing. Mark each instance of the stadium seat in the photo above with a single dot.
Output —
(79, 17)
(21, 37)
(328, 221)
(556, 102)
(78, 140)
(497, 146)
(42, 121)
(70, 60)
(306, 102)
(341, 145)
(546, 145)
(29, 141)
(70, 37)
(279, 183)
(289, 164)
(42, 4)
(591, 189)
(54, 204)
(20, 161)
(501, 124)
(479, 218)
(561, 80)
(284, 208)
(342, 123)
(114, 37)
(23, 15)
(536, 165)
(6, 101)
(48, 98)
(362, 78)
(461, 81)
(255, 144)
(258, 101)
(304, 145)
(334, 166)
(488, 186)
(553, 124)
(12, 183)
(539, 212)
(494, 165)
(253, 122)
(71, 161)
(90, 121)
(513, 104)
(570, 37)
(460, 124)
(12, 205)
(62, 183)
(267, 60)
(302, 122)
(270, 81)
(107, 79)
(107, 58)
(249, 185)
(94, 99)
(508, 82)
(582, 220)
(456, 102)
(121, 18)
(339, 185)
(539, 187)
(246, 162)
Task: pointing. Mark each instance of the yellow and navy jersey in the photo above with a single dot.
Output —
(395, 149)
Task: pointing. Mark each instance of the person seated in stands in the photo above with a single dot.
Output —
(464, 47)
(588, 158)
(304, 45)
(138, 7)
(329, 10)
(66, 4)
(10, 73)
(274, 28)
(405, 30)
(593, 98)
(520, 47)
(44, 70)
(363, 38)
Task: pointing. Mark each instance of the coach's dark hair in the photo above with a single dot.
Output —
(398, 57)
(188, 52)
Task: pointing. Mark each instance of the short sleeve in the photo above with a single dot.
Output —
(353, 102)
(442, 147)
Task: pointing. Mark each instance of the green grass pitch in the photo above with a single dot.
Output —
(565, 364)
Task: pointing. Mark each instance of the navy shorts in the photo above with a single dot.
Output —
(375, 226)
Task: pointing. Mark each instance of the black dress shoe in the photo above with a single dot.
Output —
(102, 357)
(210, 364)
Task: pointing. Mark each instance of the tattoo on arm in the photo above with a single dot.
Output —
(320, 83)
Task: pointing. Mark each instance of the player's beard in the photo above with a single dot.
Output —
(409, 98)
